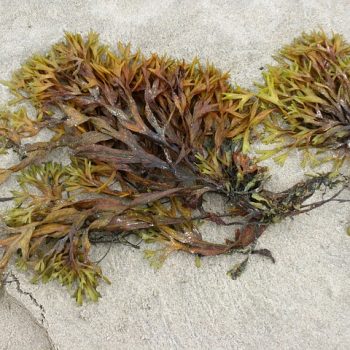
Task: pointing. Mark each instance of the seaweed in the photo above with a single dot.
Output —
(309, 92)
(150, 138)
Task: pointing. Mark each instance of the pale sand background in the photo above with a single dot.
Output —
(302, 302)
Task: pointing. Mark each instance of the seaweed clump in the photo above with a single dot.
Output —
(309, 91)
(150, 137)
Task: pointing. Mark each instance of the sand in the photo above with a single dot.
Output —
(301, 302)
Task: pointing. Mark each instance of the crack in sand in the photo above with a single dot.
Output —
(19, 289)
(14, 279)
